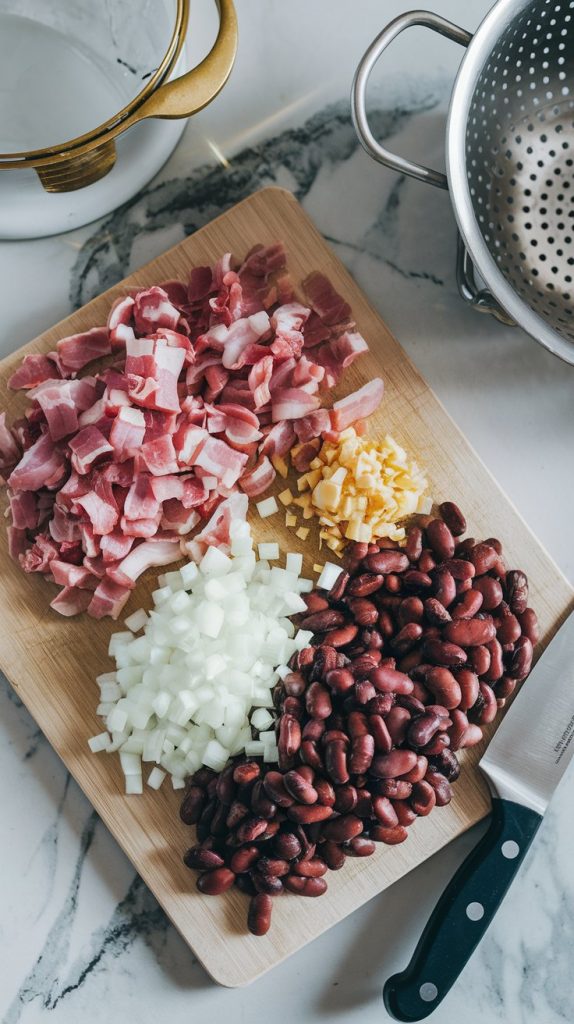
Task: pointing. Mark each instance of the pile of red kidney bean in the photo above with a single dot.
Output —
(414, 650)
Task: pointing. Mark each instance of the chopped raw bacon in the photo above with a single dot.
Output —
(39, 464)
(71, 601)
(358, 405)
(259, 478)
(78, 350)
(152, 309)
(33, 370)
(292, 404)
(216, 532)
(212, 378)
(327, 303)
(312, 425)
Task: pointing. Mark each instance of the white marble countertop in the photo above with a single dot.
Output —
(81, 937)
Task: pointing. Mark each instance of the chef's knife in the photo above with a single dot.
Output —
(523, 764)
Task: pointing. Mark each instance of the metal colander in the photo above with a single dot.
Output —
(510, 161)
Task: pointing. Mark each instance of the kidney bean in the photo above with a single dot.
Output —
(483, 557)
(386, 625)
(380, 734)
(269, 884)
(244, 858)
(362, 753)
(305, 886)
(453, 517)
(408, 701)
(529, 625)
(203, 777)
(415, 579)
(418, 772)
(462, 586)
(292, 706)
(274, 786)
(380, 704)
(286, 846)
(404, 812)
(435, 612)
(303, 658)
(320, 622)
(444, 588)
(468, 683)
(470, 632)
(496, 667)
(459, 569)
(441, 786)
(300, 788)
(259, 914)
(420, 692)
(225, 787)
(423, 799)
(479, 660)
(393, 765)
(336, 762)
(384, 810)
(364, 805)
(315, 867)
(340, 680)
(237, 812)
(390, 836)
(471, 737)
(393, 583)
(310, 755)
(346, 798)
(521, 660)
(365, 584)
(307, 814)
(342, 636)
(202, 858)
(469, 604)
(426, 562)
(438, 743)
(339, 586)
(343, 828)
(414, 544)
(396, 725)
(458, 728)
(395, 789)
(289, 736)
(441, 712)
(275, 867)
(192, 805)
(411, 609)
(364, 612)
(215, 882)
(407, 638)
(421, 730)
(315, 602)
(388, 680)
(244, 884)
(517, 590)
(384, 562)
(364, 691)
(335, 734)
(491, 592)
(246, 772)
(442, 683)
(294, 684)
(313, 730)
(440, 539)
(357, 724)
(504, 688)
(444, 653)
(487, 711)
(509, 629)
(410, 661)
(318, 701)
(447, 763)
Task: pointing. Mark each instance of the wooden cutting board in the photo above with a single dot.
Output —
(52, 662)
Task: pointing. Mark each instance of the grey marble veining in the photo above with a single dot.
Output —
(82, 937)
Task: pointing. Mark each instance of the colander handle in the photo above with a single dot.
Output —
(359, 91)
(479, 298)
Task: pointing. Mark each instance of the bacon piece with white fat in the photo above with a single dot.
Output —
(77, 350)
(358, 405)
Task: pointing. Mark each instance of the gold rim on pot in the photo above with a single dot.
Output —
(83, 160)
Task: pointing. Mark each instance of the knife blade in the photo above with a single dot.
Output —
(523, 765)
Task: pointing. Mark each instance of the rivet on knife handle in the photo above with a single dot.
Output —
(463, 913)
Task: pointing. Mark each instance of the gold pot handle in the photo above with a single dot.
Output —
(193, 91)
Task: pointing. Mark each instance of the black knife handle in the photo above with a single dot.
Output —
(463, 913)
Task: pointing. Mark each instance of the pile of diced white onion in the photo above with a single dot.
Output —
(198, 677)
